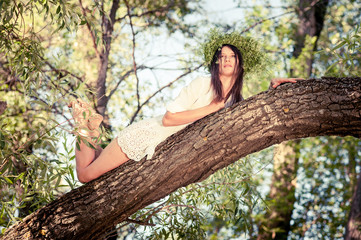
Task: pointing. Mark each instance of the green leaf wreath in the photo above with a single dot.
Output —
(255, 58)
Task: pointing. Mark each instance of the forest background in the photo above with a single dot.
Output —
(128, 58)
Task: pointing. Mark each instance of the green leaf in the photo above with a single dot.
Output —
(21, 175)
(28, 199)
(77, 145)
(2, 141)
(330, 67)
(8, 180)
(89, 144)
(40, 103)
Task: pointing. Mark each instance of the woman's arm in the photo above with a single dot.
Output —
(180, 118)
(275, 82)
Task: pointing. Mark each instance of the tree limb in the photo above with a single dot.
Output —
(314, 107)
(133, 54)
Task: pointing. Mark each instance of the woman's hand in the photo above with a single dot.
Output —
(188, 116)
(275, 82)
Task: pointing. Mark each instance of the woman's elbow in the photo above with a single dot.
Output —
(166, 121)
(82, 176)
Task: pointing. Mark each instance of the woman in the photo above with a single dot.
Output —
(200, 98)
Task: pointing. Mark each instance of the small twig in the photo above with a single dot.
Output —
(264, 20)
(145, 222)
(22, 147)
(160, 10)
(89, 29)
(122, 79)
(66, 72)
(140, 222)
(133, 53)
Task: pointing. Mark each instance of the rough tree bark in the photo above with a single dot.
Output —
(309, 108)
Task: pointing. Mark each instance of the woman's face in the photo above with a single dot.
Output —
(227, 62)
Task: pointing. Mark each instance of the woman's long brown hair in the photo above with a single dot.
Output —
(236, 90)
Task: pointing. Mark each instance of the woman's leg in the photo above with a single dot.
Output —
(91, 163)
(89, 167)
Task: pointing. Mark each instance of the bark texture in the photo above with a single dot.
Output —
(309, 108)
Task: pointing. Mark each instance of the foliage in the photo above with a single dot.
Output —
(46, 59)
(19, 42)
(219, 206)
(299, 68)
(318, 212)
(348, 55)
(254, 57)
(32, 170)
(328, 176)
(31, 173)
(334, 58)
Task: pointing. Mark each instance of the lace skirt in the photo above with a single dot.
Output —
(141, 138)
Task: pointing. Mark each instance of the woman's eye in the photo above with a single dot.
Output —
(228, 57)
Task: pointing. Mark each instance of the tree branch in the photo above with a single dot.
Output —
(2, 107)
(133, 54)
(93, 37)
(266, 19)
(121, 79)
(315, 107)
(149, 12)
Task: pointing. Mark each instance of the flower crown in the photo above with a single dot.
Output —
(254, 58)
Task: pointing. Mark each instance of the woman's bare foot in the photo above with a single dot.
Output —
(87, 121)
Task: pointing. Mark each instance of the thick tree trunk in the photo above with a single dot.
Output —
(353, 227)
(277, 221)
(311, 15)
(107, 36)
(305, 109)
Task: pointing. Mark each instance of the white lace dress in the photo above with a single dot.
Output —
(141, 138)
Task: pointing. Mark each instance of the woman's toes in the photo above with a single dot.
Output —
(94, 121)
(72, 103)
